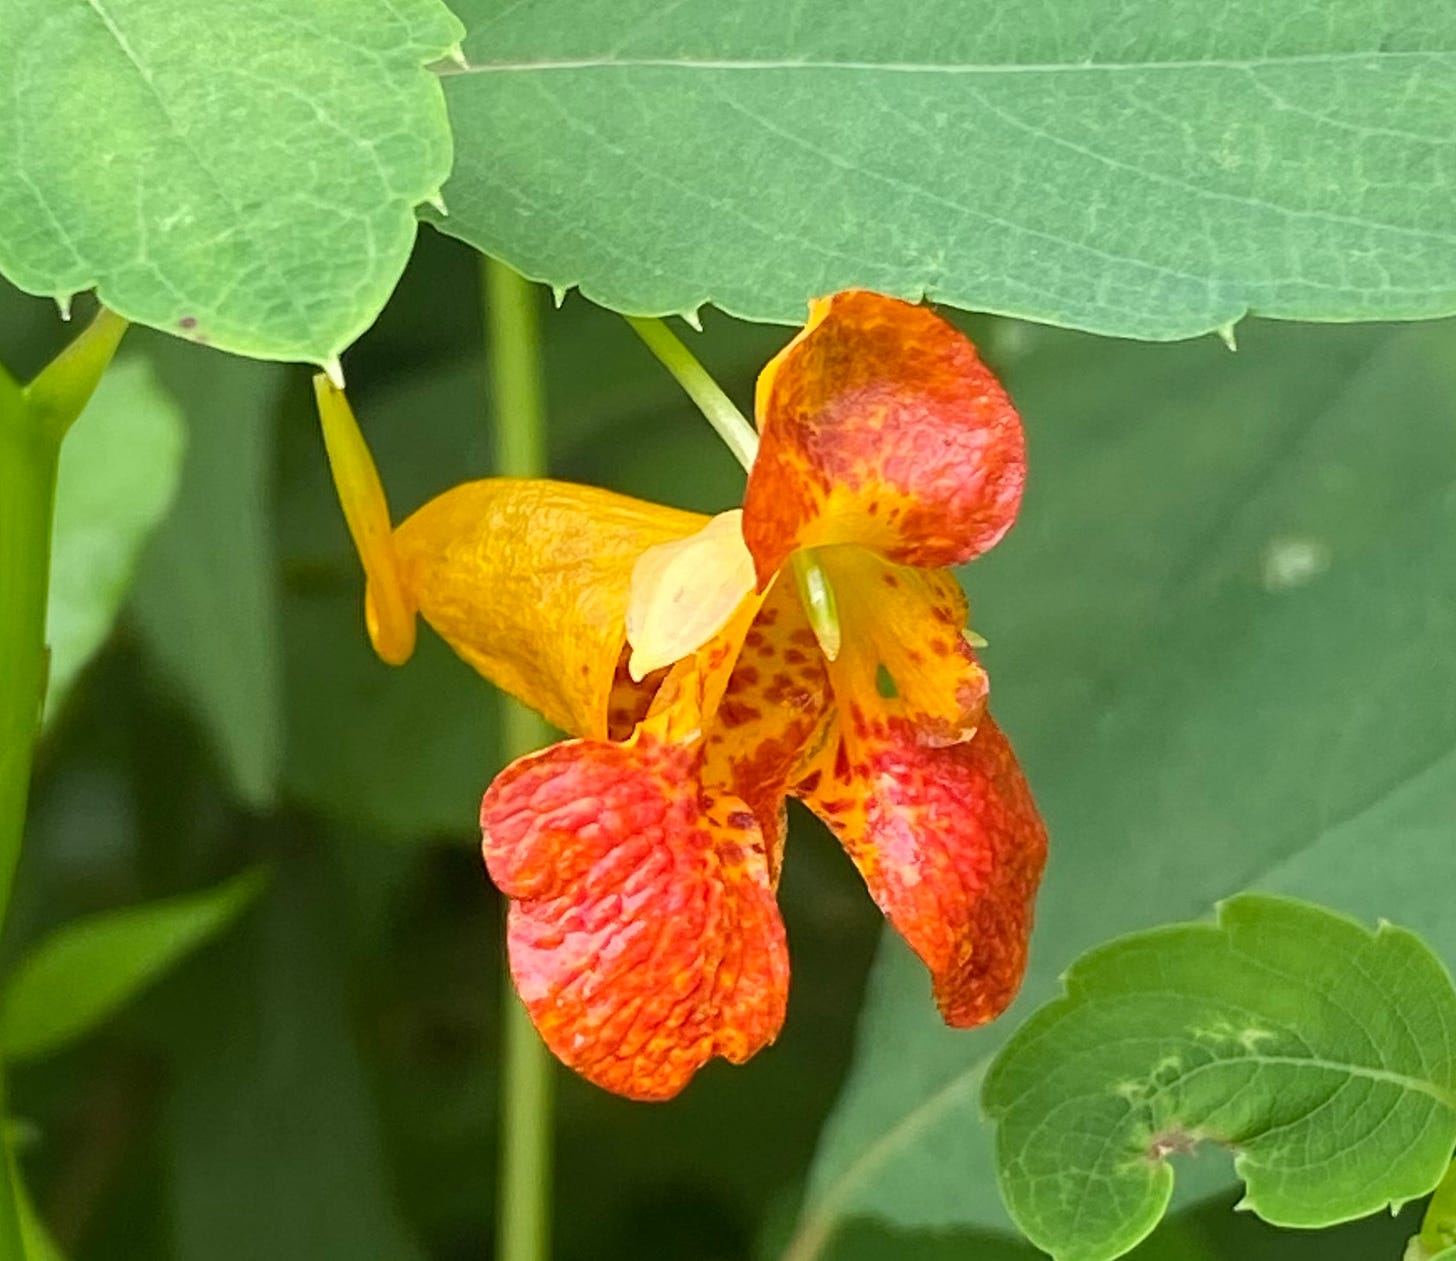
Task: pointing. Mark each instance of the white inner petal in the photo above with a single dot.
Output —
(684, 592)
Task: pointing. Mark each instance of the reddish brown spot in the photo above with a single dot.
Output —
(810, 782)
(187, 322)
(841, 761)
(736, 713)
(803, 637)
(745, 675)
(741, 819)
(890, 579)
(795, 657)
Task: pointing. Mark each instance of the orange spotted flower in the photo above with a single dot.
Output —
(809, 645)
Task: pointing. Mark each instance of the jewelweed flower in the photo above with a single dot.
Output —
(807, 645)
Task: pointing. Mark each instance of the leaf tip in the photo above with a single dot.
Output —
(1226, 334)
(436, 202)
(334, 370)
(692, 317)
(558, 294)
(63, 305)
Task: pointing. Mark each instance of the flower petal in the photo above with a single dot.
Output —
(684, 592)
(771, 717)
(880, 425)
(389, 612)
(950, 843)
(528, 581)
(644, 937)
(910, 621)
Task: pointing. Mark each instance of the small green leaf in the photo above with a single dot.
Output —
(1322, 1053)
(242, 172)
(1131, 167)
(87, 970)
(118, 473)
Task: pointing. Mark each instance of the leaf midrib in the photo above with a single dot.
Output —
(762, 64)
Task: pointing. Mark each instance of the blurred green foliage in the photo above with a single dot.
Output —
(319, 1082)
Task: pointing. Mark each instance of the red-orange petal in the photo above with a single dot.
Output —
(950, 843)
(643, 935)
(880, 425)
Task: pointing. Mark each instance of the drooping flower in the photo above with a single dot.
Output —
(641, 857)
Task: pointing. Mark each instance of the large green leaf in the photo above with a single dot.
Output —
(270, 1132)
(206, 598)
(1149, 168)
(85, 971)
(243, 172)
(118, 473)
(1220, 637)
(1325, 1055)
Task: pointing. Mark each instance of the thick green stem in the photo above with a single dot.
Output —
(28, 460)
(32, 423)
(716, 406)
(29, 456)
(523, 1204)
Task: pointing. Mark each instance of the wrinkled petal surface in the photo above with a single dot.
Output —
(528, 581)
(951, 846)
(880, 425)
(910, 621)
(643, 935)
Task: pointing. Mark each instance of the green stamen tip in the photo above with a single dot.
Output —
(817, 597)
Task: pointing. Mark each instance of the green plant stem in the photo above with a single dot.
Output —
(523, 1199)
(32, 423)
(29, 457)
(1438, 1229)
(716, 406)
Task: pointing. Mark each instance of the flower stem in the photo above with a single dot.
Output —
(523, 1196)
(701, 388)
(1438, 1229)
(33, 421)
(815, 593)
